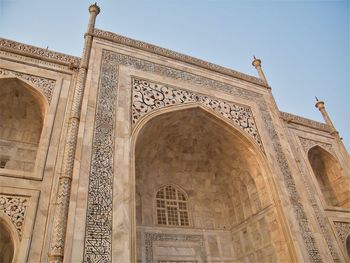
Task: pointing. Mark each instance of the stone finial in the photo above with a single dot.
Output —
(319, 104)
(257, 64)
(94, 8)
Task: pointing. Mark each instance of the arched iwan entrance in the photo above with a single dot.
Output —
(201, 193)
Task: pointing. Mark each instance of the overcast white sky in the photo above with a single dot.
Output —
(304, 45)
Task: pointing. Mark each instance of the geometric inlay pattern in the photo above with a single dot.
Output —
(147, 96)
(98, 232)
(151, 237)
(14, 208)
(46, 86)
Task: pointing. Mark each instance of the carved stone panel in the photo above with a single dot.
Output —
(151, 238)
(147, 96)
(343, 230)
(98, 233)
(46, 86)
(14, 207)
(308, 144)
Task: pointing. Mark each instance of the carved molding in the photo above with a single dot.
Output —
(174, 55)
(151, 237)
(98, 231)
(147, 96)
(46, 86)
(113, 59)
(288, 117)
(14, 207)
(308, 144)
(41, 53)
(343, 230)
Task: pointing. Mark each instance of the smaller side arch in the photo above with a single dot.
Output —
(9, 240)
(22, 112)
(330, 178)
(36, 91)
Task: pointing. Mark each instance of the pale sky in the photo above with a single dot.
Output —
(304, 45)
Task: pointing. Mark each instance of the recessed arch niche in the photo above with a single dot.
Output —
(22, 111)
(7, 244)
(331, 181)
(222, 174)
(347, 245)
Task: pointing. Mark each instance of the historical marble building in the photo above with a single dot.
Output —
(135, 153)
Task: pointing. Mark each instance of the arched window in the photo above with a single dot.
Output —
(171, 206)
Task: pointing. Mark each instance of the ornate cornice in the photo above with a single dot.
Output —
(39, 53)
(288, 117)
(175, 55)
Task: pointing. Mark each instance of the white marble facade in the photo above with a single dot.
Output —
(173, 159)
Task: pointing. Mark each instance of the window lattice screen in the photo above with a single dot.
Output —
(171, 208)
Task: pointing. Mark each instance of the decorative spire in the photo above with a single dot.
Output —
(320, 106)
(61, 206)
(257, 64)
(94, 8)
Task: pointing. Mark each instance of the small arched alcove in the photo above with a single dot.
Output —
(331, 181)
(215, 178)
(7, 244)
(22, 111)
(347, 244)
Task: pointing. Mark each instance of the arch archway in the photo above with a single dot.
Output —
(331, 181)
(7, 242)
(22, 111)
(223, 174)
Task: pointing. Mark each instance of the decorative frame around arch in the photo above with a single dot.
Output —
(308, 144)
(148, 96)
(42, 85)
(113, 61)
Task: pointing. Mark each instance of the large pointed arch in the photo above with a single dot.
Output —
(253, 192)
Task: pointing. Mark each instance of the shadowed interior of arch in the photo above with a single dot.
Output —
(333, 184)
(6, 243)
(21, 115)
(218, 169)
